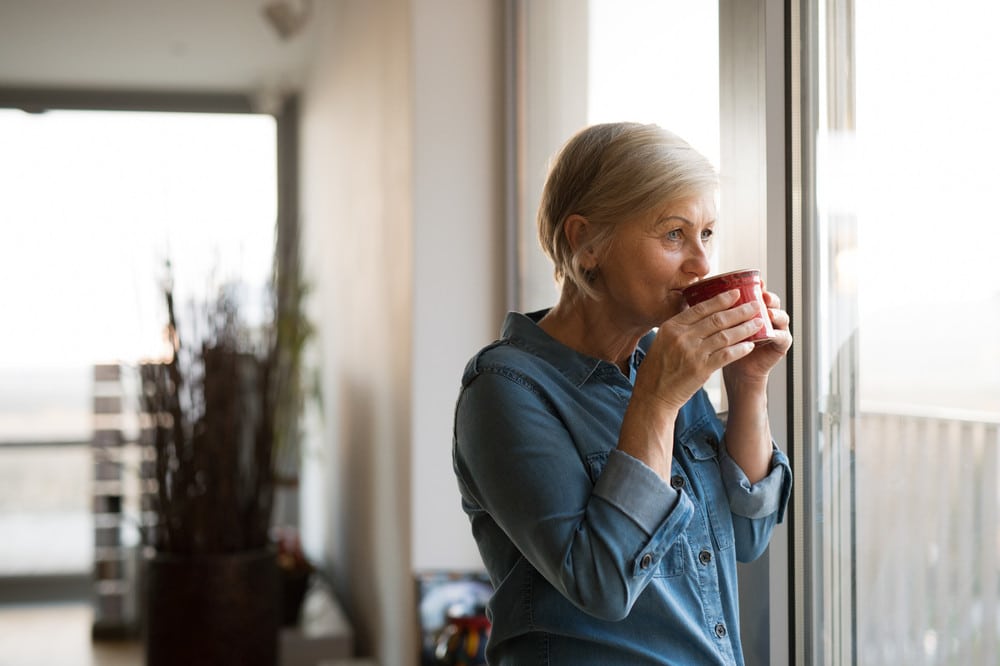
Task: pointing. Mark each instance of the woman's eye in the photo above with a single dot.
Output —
(706, 234)
(674, 234)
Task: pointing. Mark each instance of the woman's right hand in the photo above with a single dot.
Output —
(693, 344)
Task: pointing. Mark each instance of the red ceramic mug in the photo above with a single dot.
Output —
(751, 291)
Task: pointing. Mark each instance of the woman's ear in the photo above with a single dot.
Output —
(578, 231)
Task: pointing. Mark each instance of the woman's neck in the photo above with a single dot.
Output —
(584, 326)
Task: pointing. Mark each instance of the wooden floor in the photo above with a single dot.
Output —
(47, 634)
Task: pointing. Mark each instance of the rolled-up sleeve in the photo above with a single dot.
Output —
(627, 484)
(767, 497)
(756, 507)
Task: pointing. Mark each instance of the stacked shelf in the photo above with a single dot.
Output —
(118, 497)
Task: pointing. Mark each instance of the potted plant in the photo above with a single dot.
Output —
(215, 410)
(295, 571)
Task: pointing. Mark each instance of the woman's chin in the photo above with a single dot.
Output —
(674, 305)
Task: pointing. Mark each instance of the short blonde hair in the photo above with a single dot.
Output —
(609, 173)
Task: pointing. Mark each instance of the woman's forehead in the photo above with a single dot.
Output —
(696, 210)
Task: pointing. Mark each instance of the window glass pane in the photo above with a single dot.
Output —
(902, 515)
(928, 534)
(93, 204)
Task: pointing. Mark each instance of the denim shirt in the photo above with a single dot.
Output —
(594, 558)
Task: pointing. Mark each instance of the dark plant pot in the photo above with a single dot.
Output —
(217, 610)
(294, 586)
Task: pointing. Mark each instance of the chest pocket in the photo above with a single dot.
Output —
(701, 447)
(673, 562)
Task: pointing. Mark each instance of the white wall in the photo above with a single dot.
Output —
(554, 85)
(402, 227)
(357, 225)
(458, 248)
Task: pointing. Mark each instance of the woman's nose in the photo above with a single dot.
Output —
(697, 263)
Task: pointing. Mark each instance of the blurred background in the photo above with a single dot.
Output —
(393, 138)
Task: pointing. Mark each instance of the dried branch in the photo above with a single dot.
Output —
(212, 409)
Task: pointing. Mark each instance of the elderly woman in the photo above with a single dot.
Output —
(609, 502)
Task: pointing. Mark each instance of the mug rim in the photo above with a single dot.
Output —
(708, 282)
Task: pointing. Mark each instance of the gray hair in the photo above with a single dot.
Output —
(609, 173)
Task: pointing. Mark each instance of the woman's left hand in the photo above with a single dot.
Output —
(758, 363)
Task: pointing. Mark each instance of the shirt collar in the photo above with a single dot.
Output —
(523, 331)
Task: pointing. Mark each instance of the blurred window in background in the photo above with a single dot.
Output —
(92, 206)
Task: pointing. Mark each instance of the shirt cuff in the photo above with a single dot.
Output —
(636, 490)
(764, 498)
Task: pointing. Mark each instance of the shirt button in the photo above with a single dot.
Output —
(646, 560)
(705, 556)
(720, 630)
(677, 482)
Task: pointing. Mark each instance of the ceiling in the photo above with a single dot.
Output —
(212, 46)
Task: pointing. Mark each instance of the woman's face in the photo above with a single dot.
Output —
(652, 257)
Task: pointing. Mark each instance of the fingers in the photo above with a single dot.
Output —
(719, 314)
(779, 318)
(723, 301)
(682, 360)
(713, 330)
(718, 339)
(730, 353)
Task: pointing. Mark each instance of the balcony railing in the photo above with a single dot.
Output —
(928, 543)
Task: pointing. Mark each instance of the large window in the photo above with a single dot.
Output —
(900, 374)
(928, 472)
(889, 255)
(93, 205)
